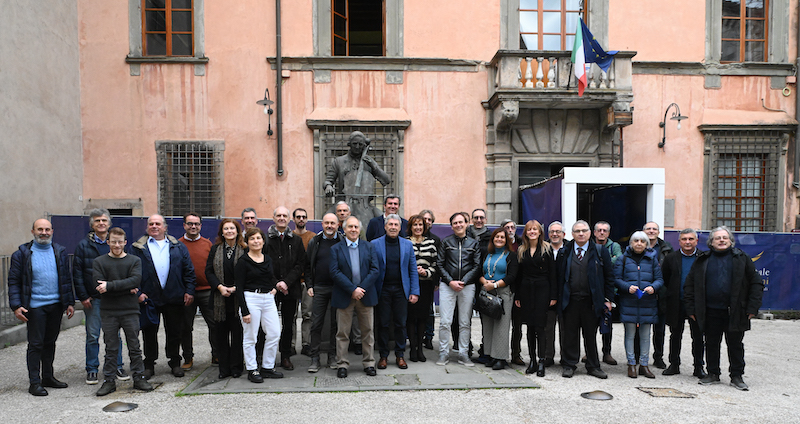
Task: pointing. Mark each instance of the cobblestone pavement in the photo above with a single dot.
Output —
(773, 373)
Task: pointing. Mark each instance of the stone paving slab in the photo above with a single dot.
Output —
(418, 376)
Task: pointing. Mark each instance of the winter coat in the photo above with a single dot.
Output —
(647, 273)
(20, 277)
(85, 253)
(180, 280)
(746, 290)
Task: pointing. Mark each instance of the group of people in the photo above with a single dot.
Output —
(375, 284)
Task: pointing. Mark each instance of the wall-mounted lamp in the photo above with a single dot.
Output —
(676, 116)
(267, 103)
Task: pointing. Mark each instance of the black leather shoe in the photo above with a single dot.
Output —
(108, 387)
(149, 373)
(659, 363)
(255, 376)
(370, 371)
(531, 368)
(342, 373)
(672, 370)
(549, 362)
(699, 373)
(427, 344)
(540, 369)
(37, 390)
(178, 371)
(52, 382)
(567, 372)
(491, 363)
(597, 372)
(271, 373)
(499, 365)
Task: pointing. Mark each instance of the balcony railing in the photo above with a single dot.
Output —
(553, 71)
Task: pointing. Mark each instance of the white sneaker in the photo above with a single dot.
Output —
(463, 360)
(443, 360)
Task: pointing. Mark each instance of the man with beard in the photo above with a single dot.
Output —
(39, 292)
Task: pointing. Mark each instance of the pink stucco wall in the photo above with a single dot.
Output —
(451, 29)
(658, 31)
(682, 158)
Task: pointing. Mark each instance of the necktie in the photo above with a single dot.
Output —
(281, 237)
(580, 254)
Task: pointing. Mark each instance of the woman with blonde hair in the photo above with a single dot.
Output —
(536, 290)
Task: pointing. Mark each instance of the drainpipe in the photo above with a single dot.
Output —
(279, 99)
(796, 182)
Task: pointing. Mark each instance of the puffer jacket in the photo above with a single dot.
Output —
(459, 259)
(85, 253)
(647, 273)
(20, 277)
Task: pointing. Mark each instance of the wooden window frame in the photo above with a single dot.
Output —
(346, 38)
(168, 9)
(583, 11)
(742, 40)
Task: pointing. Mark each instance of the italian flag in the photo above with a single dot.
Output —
(579, 59)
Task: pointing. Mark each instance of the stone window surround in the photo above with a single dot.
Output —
(709, 154)
(322, 31)
(318, 126)
(135, 57)
(509, 22)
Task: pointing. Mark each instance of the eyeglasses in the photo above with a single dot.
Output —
(192, 224)
(479, 218)
(300, 217)
(582, 230)
(555, 232)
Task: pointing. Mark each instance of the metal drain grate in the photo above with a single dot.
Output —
(666, 392)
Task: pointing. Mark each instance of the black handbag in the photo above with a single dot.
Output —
(489, 305)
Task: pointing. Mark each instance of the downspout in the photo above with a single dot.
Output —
(796, 182)
(279, 99)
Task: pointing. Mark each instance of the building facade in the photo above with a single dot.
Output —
(463, 102)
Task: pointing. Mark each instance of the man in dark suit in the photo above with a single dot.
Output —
(354, 271)
(377, 226)
(398, 284)
(586, 285)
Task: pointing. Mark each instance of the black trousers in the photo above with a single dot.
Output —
(659, 335)
(172, 317)
(129, 324)
(578, 318)
(392, 314)
(717, 321)
(676, 339)
(229, 339)
(319, 309)
(44, 324)
(201, 300)
(516, 333)
(418, 314)
(550, 333)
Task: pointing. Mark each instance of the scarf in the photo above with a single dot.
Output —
(219, 271)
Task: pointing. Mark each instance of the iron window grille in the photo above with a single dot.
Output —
(744, 180)
(190, 178)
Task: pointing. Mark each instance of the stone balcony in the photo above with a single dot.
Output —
(543, 79)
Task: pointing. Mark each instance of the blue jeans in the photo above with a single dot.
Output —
(93, 326)
(644, 343)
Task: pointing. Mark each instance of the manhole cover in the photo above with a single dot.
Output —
(666, 392)
(357, 380)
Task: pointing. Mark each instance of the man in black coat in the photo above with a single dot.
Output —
(722, 293)
(662, 248)
(675, 268)
(288, 260)
(585, 281)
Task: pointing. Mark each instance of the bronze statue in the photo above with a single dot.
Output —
(351, 178)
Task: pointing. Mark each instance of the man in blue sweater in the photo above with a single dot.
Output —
(39, 292)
